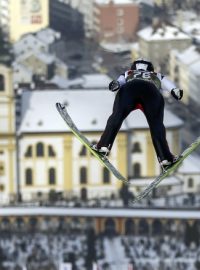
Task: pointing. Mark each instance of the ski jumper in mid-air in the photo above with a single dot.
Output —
(141, 88)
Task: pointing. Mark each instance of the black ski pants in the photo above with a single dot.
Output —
(128, 97)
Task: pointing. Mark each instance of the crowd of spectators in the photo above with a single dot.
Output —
(47, 252)
(41, 251)
(45, 243)
(148, 253)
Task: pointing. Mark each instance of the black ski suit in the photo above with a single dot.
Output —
(140, 92)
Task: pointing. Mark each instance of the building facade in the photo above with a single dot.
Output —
(87, 9)
(24, 16)
(7, 135)
(51, 158)
(34, 57)
(183, 69)
(116, 21)
(66, 19)
(155, 43)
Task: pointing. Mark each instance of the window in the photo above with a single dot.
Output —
(83, 151)
(120, 12)
(29, 151)
(33, 222)
(106, 176)
(84, 194)
(136, 170)
(120, 22)
(2, 168)
(2, 83)
(136, 148)
(40, 150)
(2, 188)
(110, 227)
(83, 175)
(120, 29)
(51, 152)
(190, 182)
(143, 227)
(5, 222)
(157, 227)
(29, 177)
(19, 222)
(52, 176)
(129, 226)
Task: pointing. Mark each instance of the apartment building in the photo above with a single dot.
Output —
(184, 70)
(18, 18)
(116, 21)
(86, 8)
(156, 42)
(66, 19)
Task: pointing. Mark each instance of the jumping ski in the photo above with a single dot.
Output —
(104, 160)
(192, 147)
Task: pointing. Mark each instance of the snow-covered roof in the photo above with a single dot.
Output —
(95, 81)
(116, 47)
(169, 181)
(189, 22)
(44, 57)
(100, 212)
(189, 56)
(162, 33)
(191, 27)
(89, 81)
(190, 165)
(116, 2)
(187, 15)
(27, 43)
(48, 35)
(60, 81)
(147, 2)
(89, 110)
(36, 41)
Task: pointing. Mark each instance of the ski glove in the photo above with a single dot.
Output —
(177, 93)
(114, 86)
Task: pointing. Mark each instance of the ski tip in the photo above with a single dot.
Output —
(136, 200)
(59, 105)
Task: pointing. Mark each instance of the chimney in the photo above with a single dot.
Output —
(155, 24)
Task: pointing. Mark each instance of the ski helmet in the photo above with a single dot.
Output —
(142, 64)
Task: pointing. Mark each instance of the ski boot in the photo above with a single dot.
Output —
(166, 164)
(103, 150)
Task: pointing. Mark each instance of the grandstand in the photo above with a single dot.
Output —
(49, 237)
